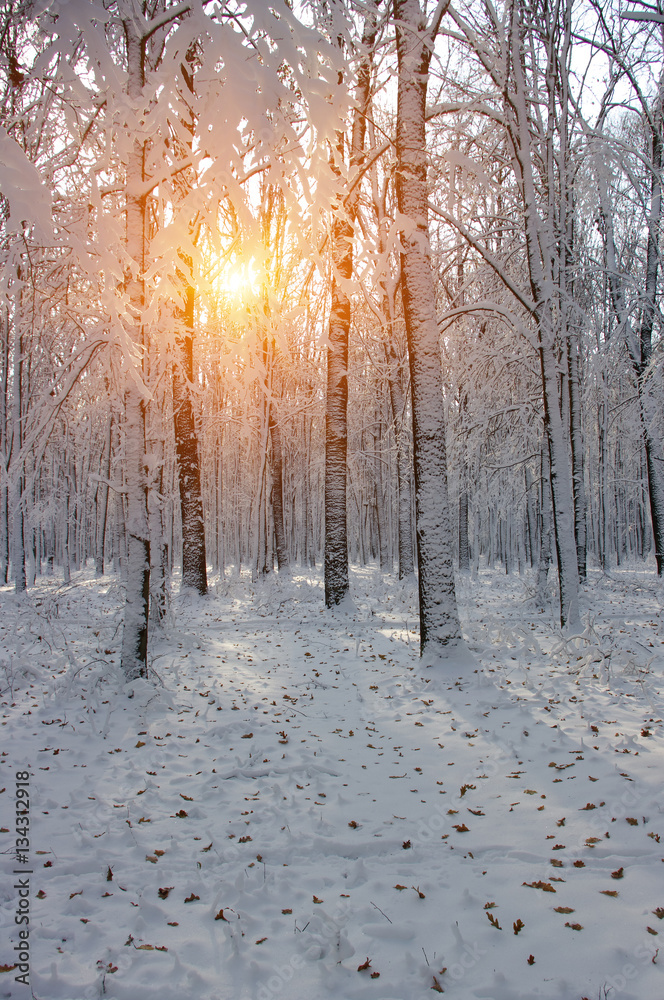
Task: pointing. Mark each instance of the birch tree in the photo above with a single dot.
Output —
(440, 631)
(336, 431)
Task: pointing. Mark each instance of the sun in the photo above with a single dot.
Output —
(237, 282)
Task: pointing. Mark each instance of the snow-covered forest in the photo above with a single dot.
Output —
(331, 364)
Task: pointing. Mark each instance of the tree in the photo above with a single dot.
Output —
(336, 432)
(440, 630)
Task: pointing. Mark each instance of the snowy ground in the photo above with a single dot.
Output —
(296, 810)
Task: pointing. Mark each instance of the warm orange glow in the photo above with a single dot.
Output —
(237, 283)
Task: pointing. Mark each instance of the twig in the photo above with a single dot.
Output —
(379, 910)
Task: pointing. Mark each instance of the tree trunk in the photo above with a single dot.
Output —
(545, 532)
(576, 438)
(543, 260)
(194, 563)
(440, 631)
(18, 543)
(336, 425)
(277, 470)
(464, 550)
(135, 634)
(103, 505)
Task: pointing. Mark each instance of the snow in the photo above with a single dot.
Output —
(296, 794)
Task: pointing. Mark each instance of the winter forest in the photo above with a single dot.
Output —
(331, 364)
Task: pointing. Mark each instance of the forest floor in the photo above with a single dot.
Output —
(294, 809)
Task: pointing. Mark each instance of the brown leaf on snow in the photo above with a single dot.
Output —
(574, 927)
(163, 893)
(364, 966)
(563, 909)
(545, 886)
(618, 873)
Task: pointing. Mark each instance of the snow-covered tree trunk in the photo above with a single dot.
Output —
(648, 406)
(639, 341)
(194, 563)
(545, 531)
(440, 631)
(336, 421)
(277, 472)
(576, 438)
(135, 635)
(18, 542)
(102, 512)
(531, 518)
(194, 560)
(542, 270)
(464, 548)
(561, 485)
(405, 509)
